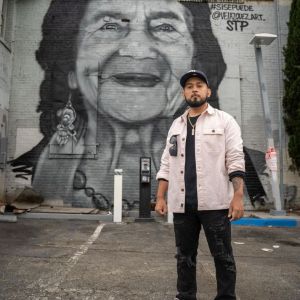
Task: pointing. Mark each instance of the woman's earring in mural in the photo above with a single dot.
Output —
(66, 129)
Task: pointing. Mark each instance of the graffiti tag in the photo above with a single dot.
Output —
(237, 16)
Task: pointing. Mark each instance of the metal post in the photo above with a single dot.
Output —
(118, 178)
(280, 108)
(268, 129)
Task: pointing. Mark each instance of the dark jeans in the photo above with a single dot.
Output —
(217, 230)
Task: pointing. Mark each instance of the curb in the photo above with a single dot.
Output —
(63, 216)
(267, 222)
(8, 218)
(245, 221)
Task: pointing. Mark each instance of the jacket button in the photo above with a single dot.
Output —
(181, 204)
(213, 130)
(181, 172)
(183, 139)
(182, 155)
(182, 190)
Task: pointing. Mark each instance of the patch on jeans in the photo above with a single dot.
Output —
(217, 234)
(189, 260)
(229, 263)
(221, 252)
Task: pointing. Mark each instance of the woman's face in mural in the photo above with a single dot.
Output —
(139, 49)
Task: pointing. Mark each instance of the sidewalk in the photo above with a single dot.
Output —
(88, 260)
(265, 219)
(251, 218)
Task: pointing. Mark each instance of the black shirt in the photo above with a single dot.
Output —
(190, 175)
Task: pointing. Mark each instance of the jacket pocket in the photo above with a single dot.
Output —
(213, 139)
(213, 131)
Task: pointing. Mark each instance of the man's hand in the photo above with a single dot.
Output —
(161, 206)
(236, 208)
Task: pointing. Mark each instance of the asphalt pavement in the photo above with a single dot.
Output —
(72, 259)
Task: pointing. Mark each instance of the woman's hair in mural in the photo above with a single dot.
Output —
(207, 56)
(57, 57)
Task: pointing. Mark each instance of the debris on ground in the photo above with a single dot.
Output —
(267, 249)
(21, 200)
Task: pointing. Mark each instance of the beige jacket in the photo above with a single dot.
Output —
(218, 151)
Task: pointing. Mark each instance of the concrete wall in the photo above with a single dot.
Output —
(102, 89)
(5, 83)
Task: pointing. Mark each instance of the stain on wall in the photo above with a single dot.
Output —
(3, 149)
(3, 138)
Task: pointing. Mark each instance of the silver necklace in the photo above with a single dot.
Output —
(193, 126)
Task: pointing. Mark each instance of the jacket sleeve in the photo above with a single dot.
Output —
(163, 172)
(234, 155)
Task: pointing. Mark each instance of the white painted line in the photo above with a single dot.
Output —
(209, 268)
(55, 280)
(84, 248)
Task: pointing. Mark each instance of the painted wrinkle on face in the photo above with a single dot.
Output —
(140, 48)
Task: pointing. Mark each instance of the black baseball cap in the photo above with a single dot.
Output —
(193, 73)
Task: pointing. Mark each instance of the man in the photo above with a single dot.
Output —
(204, 152)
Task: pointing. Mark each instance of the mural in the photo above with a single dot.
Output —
(110, 92)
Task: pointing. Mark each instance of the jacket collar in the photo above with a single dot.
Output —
(209, 110)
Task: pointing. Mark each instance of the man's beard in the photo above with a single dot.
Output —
(195, 101)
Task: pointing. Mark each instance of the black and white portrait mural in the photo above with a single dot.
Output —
(110, 91)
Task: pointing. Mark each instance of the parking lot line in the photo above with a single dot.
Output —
(54, 281)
